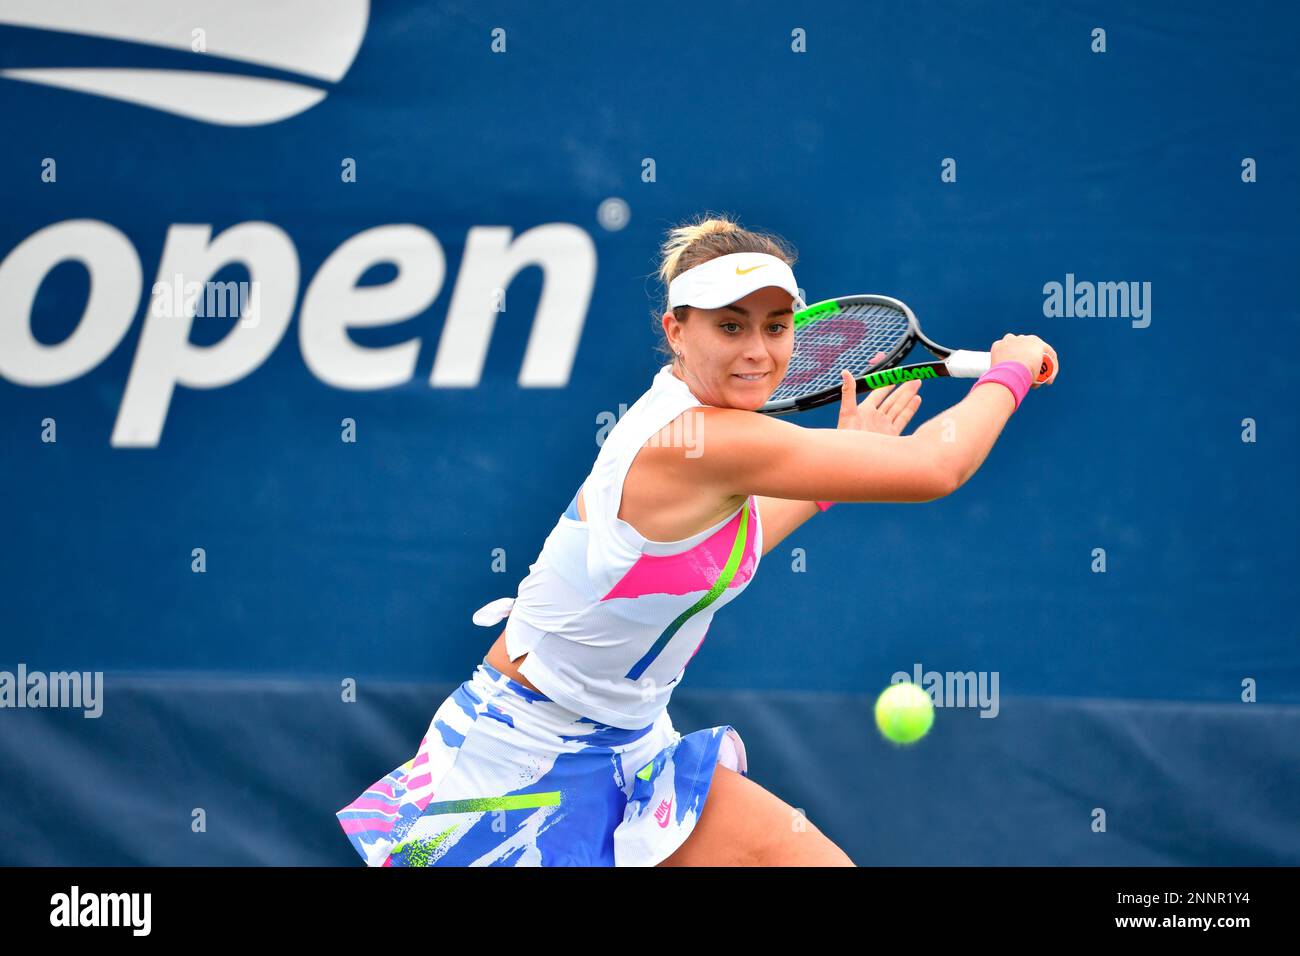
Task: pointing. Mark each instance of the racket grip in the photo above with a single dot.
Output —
(966, 364)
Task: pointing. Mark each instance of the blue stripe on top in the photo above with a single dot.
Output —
(572, 511)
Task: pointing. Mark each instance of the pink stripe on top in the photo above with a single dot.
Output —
(696, 569)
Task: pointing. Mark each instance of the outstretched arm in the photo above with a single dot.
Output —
(750, 454)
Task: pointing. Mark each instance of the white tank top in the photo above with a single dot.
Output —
(608, 618)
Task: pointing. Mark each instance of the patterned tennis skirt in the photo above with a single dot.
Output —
(507, 777)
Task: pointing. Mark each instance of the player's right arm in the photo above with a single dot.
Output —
(746, 453)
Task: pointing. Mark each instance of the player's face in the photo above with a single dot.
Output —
(735, 356)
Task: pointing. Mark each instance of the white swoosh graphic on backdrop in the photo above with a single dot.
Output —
(315, 39)
(212, 97)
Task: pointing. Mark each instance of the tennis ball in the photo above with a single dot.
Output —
(904, 713)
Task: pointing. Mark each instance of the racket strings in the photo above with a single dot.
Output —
(857, 338)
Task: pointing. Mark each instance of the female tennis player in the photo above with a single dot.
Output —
(559, 749)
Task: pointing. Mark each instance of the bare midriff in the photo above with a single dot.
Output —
(498, 658)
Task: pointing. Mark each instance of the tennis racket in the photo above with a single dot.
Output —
(870, 335)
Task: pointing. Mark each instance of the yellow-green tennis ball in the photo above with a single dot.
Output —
(904, 713)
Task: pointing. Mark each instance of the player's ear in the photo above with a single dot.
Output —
(669, 319)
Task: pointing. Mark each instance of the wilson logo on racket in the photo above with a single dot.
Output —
(895, 376)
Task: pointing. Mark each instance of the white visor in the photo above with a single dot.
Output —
(723, 280)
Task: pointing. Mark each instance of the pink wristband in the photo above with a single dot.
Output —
(823, 504)
(1011, 374)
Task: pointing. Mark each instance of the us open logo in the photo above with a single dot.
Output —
(262, 62)
(312, 44)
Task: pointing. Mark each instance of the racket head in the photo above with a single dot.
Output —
(861, 333)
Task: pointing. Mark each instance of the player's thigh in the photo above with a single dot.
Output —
(743, 824)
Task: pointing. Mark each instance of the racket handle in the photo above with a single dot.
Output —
(966, 364)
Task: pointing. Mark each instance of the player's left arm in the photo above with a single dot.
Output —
(879, 411)
(780, 516)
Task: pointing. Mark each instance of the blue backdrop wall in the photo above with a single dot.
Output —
(958, 156)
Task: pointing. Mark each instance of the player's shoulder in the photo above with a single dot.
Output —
(741, 421)
(727, 430)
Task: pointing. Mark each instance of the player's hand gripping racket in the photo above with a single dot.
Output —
(869, 335)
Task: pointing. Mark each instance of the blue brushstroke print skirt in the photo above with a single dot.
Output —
(507, 777)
